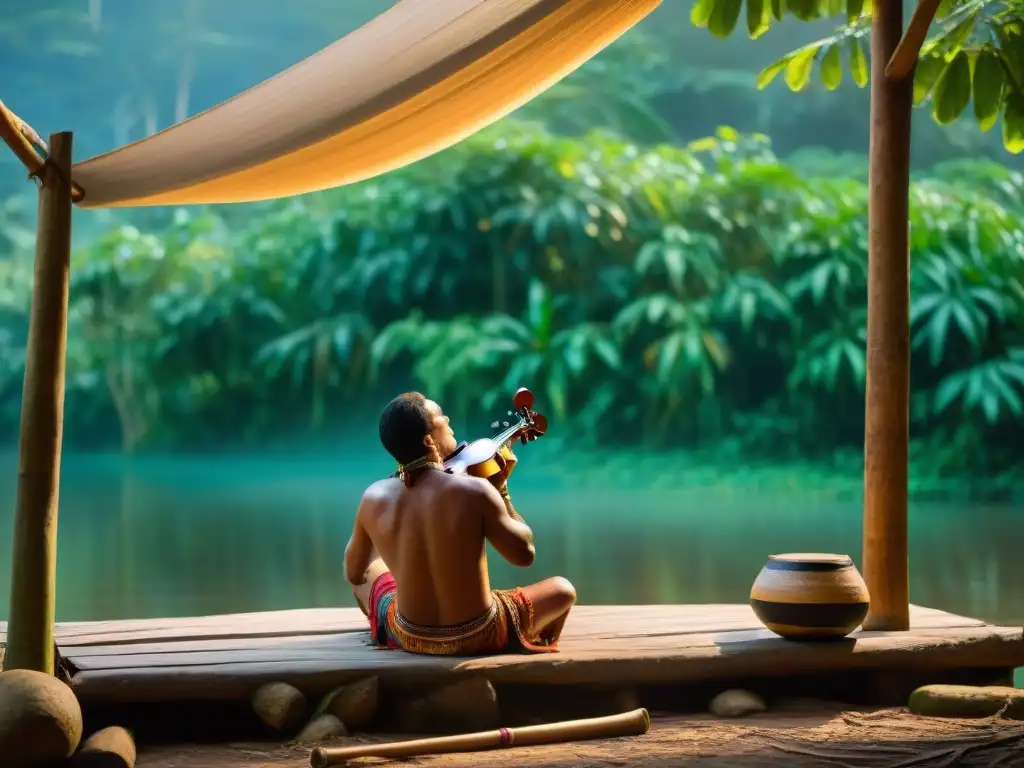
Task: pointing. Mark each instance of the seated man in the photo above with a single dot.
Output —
(434, 595)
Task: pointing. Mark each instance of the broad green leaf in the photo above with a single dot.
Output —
(854, 8)
(777, 9)
(988, 88)
(952, 90)
(951, 42)
(703, 145)
(1011, 46)
(769, 73)
(928, 70)
(799, 68)
(805, 10)
(858, 63)
(724, 17)
(831, 68)
(948, 392)
(757, 18)
(1013, 123)
(701, 12)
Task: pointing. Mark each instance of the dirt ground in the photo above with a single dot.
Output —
(818, 736)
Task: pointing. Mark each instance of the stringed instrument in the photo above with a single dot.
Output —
(488, 456)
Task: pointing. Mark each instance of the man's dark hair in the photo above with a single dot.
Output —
(403, 425)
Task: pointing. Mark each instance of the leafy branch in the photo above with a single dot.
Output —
(977, 54)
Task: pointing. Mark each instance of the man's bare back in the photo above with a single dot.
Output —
(430, 538)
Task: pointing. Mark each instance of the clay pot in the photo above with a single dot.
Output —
(810, 596)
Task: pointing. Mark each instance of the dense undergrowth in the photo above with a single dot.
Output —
(709, 297)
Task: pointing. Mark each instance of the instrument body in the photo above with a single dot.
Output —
(490, 456)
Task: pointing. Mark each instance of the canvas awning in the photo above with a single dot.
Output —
(418, 78)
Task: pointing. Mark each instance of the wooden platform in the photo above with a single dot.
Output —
(227, 657)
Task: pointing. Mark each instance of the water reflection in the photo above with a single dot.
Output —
(202, 536)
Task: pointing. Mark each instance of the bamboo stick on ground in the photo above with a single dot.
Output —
(635, 723)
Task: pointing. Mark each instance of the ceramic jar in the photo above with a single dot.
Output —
(807, 596)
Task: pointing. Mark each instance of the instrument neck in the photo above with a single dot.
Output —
(503, 437)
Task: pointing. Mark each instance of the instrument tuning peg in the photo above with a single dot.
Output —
(494, 425)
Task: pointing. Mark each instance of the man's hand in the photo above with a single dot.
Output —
(500, 479)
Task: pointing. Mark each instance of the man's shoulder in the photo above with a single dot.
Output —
(469, 488)
(382, 489)
(460, 483)
(457, 486)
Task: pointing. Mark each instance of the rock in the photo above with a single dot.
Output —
(461, 707)
(355, 705)
(967, 701)
(736, 703)
(322, 728)
(279, 705)
(111, 747)
(40, 718)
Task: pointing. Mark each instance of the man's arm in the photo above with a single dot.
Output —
(507, 499)
(509, 534)
(359, 551)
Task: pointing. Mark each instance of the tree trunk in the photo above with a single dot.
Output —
(33, 576)
(888, 345)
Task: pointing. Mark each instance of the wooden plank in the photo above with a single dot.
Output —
(587, 623)
(590, 622)
(342, 649)
(680, 659)
(330, 621)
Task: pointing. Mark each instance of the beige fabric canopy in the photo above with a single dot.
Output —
(418, 78)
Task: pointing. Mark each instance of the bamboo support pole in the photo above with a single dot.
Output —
(887, 397)
(33, 577)
(635, 723)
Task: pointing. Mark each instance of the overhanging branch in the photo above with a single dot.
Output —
(904, 58)
(19, 136)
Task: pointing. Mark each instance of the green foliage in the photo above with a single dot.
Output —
(978, 52)
(661, 297)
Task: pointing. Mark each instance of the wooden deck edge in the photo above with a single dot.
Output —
(305, 622)
(992, 648)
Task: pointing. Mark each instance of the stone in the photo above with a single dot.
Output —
(40, 718)
(461, 707)
(355, 705)
(967, 701)
(279, 705)
(737, 703)
(322, 728)
(111, 747)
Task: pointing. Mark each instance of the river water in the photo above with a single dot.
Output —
(205, 535)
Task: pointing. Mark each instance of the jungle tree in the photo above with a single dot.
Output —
(979, 52)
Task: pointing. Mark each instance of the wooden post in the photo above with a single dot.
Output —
(33, 578)
(887, 401)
